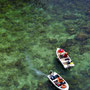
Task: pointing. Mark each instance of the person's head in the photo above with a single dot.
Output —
(66, 53)
(61, 80)
(60, 50)
(50, 71)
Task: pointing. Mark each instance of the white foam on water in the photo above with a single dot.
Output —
(38, 72)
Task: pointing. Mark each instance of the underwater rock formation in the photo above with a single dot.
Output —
(87, 31)
(36, 28)
(25, 87)
(20, 66)
(70, 17)
(88, 13)
(83, 49)
(52, 41)
(86, 28)
(71, 31)
(81, 36)
(68, 43)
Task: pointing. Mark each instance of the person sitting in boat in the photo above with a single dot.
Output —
(65, 55)
(59, 81)
(59, 52)
(62, 81)
(52, 77)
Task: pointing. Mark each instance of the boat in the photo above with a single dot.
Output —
(58, 81)
(65, 60)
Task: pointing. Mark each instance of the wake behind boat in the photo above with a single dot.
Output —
(64, 58)
(58, 81)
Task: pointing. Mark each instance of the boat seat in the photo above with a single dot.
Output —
(57, 83)
(67, 59)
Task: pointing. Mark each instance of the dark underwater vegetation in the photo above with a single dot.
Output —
(30, 32)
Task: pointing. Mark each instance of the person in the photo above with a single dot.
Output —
(63, 86)
(57, 82)
(68, 62)
(65, 55)
(52, 77)
(59, 52)
(60, 81)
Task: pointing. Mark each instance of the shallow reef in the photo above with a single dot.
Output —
(30, 32)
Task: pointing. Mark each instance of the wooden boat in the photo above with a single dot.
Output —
(58, 81)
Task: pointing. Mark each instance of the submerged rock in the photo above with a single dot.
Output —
(86, 28)
(71, 31)
(52, 41)
(88, 13)
(83, 49)
(16, 83)
(70, 17)
(68, 43)
(85, 73)
(40, 84)
(42, 31)
(88, 72)
(87, 31)
(25, 87)
(19, 64)
(81, 36)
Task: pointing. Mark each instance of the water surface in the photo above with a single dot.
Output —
(30, 32)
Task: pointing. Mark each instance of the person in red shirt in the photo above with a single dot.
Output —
(65, 55)
(59, 52)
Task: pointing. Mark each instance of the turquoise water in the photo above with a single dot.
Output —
(30, 32)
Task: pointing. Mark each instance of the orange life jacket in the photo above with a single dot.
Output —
(63, 86)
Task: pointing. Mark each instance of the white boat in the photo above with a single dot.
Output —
(61, 84)
(65, 61)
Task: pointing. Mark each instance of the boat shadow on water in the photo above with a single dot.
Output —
(51, 86)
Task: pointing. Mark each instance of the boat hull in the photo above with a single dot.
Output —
(67, 86)
(65, 61)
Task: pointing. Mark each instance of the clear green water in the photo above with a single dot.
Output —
(30, 32)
